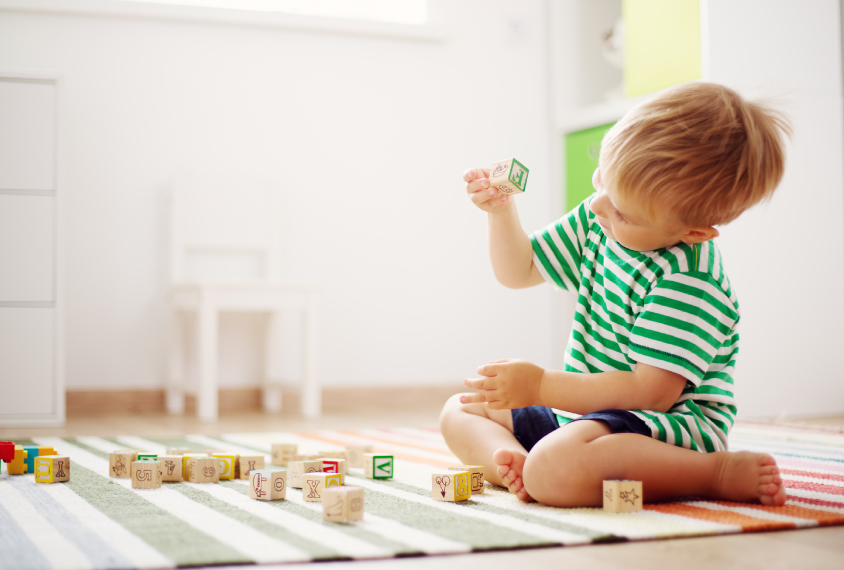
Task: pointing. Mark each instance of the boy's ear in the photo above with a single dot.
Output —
(700, 235)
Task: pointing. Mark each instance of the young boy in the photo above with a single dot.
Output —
(647, 390)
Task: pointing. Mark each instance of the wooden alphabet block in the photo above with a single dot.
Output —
(227, 464)
(508, 176)
(147, 456)
(17, 466)
(450, 486)
(177, 451)
(306, 457)
(283, 453)
(315, 483)
(186, 463)
(171, 467)
(356, 453)
(247, 463)
(268, 484)
(52, 469)
(342, 504)
(335, 466)
(622, 496)
(378, 466)
(296, 469)
(203, 470)
(120, 463)
(146, 474)
(335, 454)
(476, 476)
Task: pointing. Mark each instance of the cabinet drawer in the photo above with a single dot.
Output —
(27, 134)
(27, 254)
(582, 151)
(27, 381)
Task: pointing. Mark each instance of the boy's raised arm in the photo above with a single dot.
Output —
(510, 250)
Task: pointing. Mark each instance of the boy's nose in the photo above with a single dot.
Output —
(598, 204)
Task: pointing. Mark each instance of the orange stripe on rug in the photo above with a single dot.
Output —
(403, 456)
(746, 522)
(822, 517)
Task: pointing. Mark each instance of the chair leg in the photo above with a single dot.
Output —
(176, 382)
(207, 394)
(272, 360)
(311, 390)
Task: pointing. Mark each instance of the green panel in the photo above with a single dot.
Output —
(582, 150)
(661, 44)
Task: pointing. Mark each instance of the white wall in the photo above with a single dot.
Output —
(785, 259)
(370, 137)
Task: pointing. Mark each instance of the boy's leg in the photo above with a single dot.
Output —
(473, 432)
(567, 468)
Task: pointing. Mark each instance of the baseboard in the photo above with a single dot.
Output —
(239, 400)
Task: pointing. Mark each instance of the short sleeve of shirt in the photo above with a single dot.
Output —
(687, 319)
(558, 248)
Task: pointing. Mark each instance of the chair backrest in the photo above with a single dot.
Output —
(223, 228)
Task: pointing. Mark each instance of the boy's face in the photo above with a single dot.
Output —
(627, 222)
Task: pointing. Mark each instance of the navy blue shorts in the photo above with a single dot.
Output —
(535, 422)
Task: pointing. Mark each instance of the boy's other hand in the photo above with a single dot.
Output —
(507, 384)
(482, 196)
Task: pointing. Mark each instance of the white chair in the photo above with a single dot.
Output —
(224, 243)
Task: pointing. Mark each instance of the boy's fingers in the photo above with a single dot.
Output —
(476, 383)
(490, 369)
(476, 398)
(474, 173)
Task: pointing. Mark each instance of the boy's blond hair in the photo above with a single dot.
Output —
(696, 155)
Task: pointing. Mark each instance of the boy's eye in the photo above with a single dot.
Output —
(619, 217)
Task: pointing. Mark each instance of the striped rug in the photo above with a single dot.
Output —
(96, 522)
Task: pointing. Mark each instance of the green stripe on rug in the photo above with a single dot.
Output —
(174, 538)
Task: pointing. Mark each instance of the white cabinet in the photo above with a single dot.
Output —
(31, 361)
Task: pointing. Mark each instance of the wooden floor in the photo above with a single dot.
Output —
(812, 548)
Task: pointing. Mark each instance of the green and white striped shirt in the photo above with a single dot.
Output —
(672, 308)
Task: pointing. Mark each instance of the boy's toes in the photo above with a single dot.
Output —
(502, 457)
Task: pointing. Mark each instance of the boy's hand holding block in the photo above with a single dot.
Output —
(622, 496)
(315, 483)
(342, 504)
(247, 463)
(171, 467)
(120, 463)
(450, 486)
(297, 469)
(203, 470)
(52, 469)
(268, 484)
(146, 474)
(508, 176)
(283, 453)
(476, 476)
(226, 464)
(356, 453)
(378, 466)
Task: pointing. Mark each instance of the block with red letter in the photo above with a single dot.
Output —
(622, 496)
(335, 466)
(52, 469)
(342, 504)
(268, 484)
(146, 474)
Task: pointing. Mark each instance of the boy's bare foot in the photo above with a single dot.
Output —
(511, 464)
(745, 476)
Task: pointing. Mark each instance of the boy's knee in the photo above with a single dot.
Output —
(552, 474)
(451, 407)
